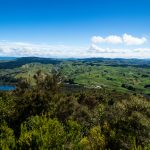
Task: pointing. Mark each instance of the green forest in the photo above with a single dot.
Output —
(75, 104)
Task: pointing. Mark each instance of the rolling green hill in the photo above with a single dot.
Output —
(122, 75)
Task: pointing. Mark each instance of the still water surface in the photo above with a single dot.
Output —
(7, 87)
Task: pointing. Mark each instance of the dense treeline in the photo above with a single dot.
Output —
(48, 115)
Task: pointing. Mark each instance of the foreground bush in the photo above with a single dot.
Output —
(41, 133)
(7, 138)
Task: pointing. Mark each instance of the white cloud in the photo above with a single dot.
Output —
(114, 39)
(97, 39)
(119, 52)
(98, 49)
(64, 51)
(124, 50)
(40, 50)
(131, 40)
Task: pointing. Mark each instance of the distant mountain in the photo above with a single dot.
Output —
(12, 62)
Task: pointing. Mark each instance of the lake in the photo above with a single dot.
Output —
(7, 58)
(7, 87)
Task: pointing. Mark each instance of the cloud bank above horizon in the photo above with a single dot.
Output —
(112, 46)
(125, 39)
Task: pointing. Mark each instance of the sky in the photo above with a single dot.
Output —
(75, 28)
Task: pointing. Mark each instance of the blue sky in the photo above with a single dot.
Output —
(66, 28)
